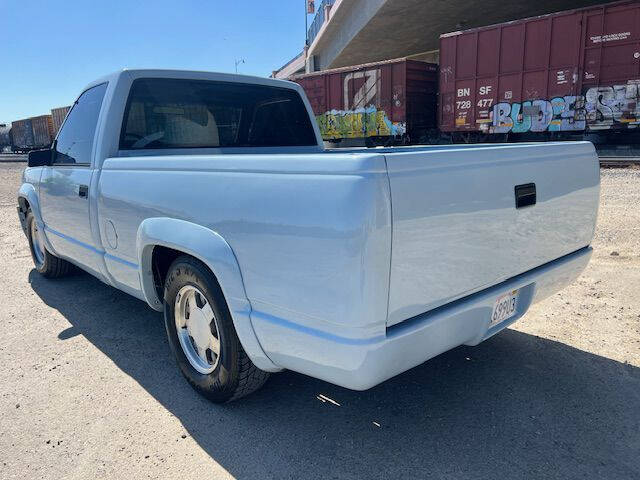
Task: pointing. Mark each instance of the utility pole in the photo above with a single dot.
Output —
(238, 62)
(306, 23)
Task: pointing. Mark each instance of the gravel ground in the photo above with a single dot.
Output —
(90, 390)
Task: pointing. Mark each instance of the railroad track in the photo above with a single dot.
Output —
(619, 162)
(12, 157)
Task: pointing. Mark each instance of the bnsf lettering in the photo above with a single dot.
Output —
(464, 92)
(485, 90)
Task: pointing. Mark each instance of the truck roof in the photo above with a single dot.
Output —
(193, 75)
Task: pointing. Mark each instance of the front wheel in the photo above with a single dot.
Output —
(47, 264)
(202, 336)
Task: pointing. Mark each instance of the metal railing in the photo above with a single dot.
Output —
(318, 20)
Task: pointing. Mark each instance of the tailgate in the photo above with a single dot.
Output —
(456, 228)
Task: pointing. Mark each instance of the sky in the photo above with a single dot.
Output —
(49, 50)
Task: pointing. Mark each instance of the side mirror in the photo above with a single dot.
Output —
(39, 158)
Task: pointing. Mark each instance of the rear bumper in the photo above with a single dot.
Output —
(361, 363)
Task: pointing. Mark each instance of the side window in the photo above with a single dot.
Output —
(175, 113)
(75, 140)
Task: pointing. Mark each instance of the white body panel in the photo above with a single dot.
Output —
(455, 226)
(350, 266)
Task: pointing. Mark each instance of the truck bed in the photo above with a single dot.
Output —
(455, 229)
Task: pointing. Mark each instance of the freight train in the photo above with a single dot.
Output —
(567, 75)
(35, 132)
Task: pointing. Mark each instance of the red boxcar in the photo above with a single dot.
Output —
(565, 72)
(395, 99)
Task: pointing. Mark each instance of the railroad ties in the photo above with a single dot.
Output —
(619, 162)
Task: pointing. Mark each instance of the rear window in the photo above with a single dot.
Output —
(173, 113)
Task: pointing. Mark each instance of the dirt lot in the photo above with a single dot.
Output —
(89, 389)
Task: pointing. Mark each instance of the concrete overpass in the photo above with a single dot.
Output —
(351, 32)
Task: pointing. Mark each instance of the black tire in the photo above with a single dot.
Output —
(234, 375)
(50, 266)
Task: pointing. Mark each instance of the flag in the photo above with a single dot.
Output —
(311, 8)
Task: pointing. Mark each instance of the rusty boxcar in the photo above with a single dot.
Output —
(57, 117)
(42, 131)
(22, 135)
(554, 75)
(375, 103)
(5, 136)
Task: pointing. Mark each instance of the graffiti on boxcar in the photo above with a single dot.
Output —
(560, 114)
(616, 106)
(360, 117)
(362, 122)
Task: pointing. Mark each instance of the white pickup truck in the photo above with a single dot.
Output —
(211, 198)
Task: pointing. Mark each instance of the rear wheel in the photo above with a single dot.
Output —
(202, 336)
(47, 264)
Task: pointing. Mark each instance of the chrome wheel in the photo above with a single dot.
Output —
(37, 244)
(197, 329)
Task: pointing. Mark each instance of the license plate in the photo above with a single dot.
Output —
(504, 308)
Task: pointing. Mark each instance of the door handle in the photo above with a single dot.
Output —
(83, 191)
(525, 195)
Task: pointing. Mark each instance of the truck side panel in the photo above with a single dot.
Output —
(312, 234)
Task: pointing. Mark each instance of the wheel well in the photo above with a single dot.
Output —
(24, 204)
(161, 260)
